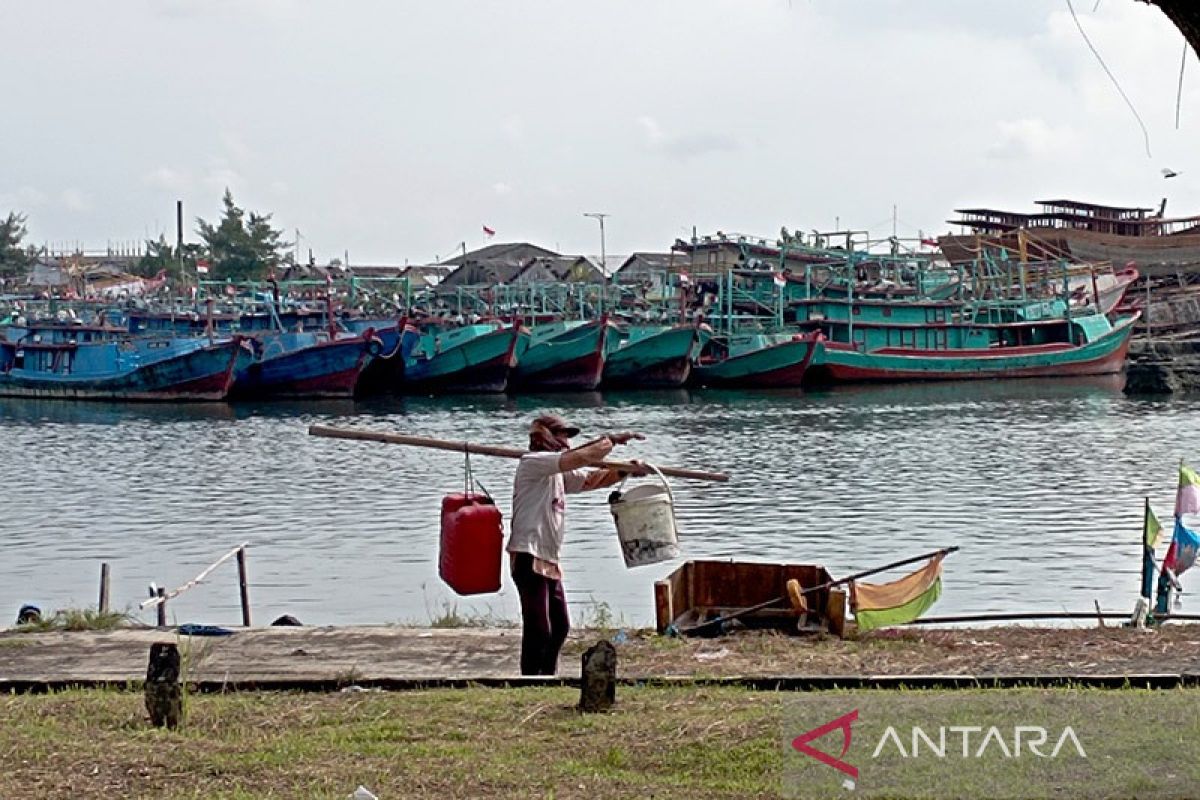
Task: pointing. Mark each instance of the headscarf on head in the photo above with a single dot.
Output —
(542, 439)
(541, 434)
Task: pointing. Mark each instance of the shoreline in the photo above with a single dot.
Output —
(397, 658)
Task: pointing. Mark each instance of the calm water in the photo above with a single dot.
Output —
(1041, 483)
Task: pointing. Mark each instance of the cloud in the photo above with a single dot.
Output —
(236, 147)
(513, 129)
(684, 145)
(1029, 138)
(501, 188)
(220, 178)
(168, 179)
(75, 199)
(24, 197)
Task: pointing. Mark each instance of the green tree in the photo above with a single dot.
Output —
(14, 259)
(160, 255)
(242, 246)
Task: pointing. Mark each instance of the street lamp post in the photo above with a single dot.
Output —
(600, 217)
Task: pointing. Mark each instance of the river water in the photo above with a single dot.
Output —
(1040, 483)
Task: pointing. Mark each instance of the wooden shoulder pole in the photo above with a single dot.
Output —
(485, 449)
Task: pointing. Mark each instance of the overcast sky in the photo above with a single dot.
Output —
(395, 129)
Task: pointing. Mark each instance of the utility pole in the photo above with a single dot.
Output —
(179, 243)
(600, 217)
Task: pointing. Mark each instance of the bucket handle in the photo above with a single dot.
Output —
(663, 479)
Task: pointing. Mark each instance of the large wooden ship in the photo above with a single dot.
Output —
(1080, 232)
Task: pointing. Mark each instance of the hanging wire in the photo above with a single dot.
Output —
(1113, 78)
(1179, 96)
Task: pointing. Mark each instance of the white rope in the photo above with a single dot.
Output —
(154, 601)
(1113, 78)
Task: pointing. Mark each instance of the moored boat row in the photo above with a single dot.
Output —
(764, 330)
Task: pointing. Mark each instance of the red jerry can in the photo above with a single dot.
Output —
(472, 544)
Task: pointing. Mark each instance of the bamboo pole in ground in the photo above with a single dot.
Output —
(243, 585)
(103, 604)
(486, 449)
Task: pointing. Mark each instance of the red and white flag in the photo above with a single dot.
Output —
(780, 281)
(201, 266)
(488, 232)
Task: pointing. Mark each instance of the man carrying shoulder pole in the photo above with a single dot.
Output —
(545, 475)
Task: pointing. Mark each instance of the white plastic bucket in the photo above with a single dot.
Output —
(645, 517)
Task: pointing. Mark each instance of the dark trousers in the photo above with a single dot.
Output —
(544, 618)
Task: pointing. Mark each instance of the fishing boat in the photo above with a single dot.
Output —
(654, 356)
(100, 363)
(1087, 232)
(384, 373)
(470, 358)
(565, 356)
(756, 360)
(308, 364)
(293, 359)
(871, 341)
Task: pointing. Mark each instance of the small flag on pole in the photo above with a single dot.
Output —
(780, 281)
(202, 266)
(1187, 499)
(883, 604)
(488, 232)
(1151, 527)
(1182, 553)
(1151, 532)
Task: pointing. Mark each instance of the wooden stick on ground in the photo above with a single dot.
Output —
(485, 449)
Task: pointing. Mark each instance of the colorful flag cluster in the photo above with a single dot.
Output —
(1185, 542)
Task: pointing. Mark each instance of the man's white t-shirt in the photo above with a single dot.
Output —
(539, 505)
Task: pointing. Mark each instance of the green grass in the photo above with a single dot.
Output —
(449, 616)
(78, 619)
(662, 742)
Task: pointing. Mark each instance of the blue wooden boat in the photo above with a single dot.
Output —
(294, 359)
(308, 364)
(654, 356)
(471, 358)
(384, 374)
(99, 363)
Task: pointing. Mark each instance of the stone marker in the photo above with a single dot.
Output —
(598, 687)
(164, 692)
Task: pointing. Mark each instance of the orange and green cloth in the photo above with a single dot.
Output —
(877, 605)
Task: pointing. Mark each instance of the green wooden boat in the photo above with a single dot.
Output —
(566, 355)
(756, 360)
(471, 358)
(654, 356)
(1027, 346)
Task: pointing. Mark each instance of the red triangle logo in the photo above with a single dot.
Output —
(842, 723)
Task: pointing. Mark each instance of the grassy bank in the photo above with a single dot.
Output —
(677, 742)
